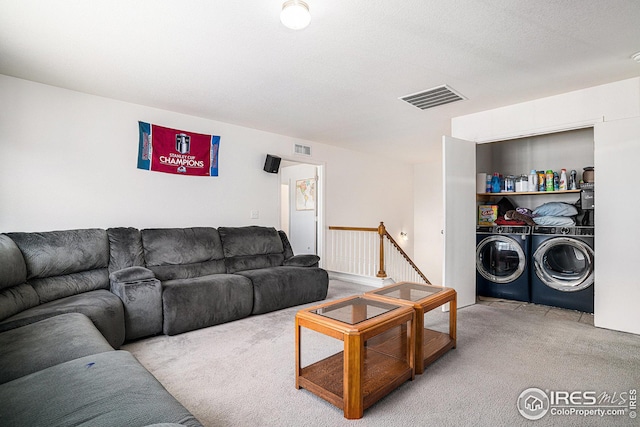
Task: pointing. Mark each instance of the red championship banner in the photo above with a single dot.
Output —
(176, 151)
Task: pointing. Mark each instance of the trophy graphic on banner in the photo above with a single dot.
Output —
(182, 143)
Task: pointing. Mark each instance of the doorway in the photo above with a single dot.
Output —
(301, 205)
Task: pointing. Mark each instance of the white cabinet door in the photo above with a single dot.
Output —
(617, 243)
(459, 178)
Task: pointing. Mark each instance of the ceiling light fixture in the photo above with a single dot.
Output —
(295, 14)
(636, 56)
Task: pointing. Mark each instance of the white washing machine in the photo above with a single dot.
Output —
(563, 267)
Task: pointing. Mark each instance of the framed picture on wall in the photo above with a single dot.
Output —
(306, 194)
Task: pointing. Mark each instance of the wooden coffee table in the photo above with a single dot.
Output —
(430, 344)
(359, 376)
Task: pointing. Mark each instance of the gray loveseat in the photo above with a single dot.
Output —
(122, 284)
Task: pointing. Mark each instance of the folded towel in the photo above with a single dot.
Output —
(503, 221)
(550, 220)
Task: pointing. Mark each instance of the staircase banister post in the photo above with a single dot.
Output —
(382, 232)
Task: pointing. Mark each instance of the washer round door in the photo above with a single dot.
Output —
(565, 264)
(500, 259)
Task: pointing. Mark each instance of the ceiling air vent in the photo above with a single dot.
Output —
(302, 150)
(433, 97)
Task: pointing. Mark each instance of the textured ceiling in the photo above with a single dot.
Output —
(337, 81)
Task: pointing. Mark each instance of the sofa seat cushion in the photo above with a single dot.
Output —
(195, 303)
(281, 287)
(46, 343)
(101, 306)
(109, 389)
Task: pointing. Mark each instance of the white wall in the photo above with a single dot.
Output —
(428, 216)
(69, 161)
(363, 190)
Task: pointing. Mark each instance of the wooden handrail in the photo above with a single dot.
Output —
(352, 228)
(382, 232)
(406, 257)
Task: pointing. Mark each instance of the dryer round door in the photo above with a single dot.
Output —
(564, 263)
(500, 259)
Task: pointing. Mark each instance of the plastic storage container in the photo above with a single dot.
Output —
(533, 180)
(510, 183)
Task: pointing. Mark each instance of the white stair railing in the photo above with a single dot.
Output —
(370, 252)
(353, 252)
(398, 268)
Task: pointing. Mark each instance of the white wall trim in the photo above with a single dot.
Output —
(540, 131)
(375, 282)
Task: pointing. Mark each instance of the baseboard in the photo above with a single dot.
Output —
(376, 282)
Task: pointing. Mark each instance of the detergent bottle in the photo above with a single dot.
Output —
(541, 179)
(495, 183)
(563, 179)
(549, 180)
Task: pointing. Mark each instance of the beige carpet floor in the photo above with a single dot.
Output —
(242, 373)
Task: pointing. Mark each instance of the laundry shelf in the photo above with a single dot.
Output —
(484, 196)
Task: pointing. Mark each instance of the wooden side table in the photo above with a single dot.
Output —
(430, 345)
(359, 376)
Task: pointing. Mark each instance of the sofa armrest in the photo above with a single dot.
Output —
(141, 295)
(306, 260)
(131, 274)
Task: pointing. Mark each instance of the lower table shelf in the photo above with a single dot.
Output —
(434, 345)
(381, 374)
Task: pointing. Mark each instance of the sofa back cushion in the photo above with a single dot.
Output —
(288, 250)
(17, 299)
(13, 270)
(251, 248)
(125, 248)
(183, 253)
(65, 263)
(15, 294)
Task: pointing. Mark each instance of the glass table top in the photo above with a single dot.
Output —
(355, 310)
(409, 291)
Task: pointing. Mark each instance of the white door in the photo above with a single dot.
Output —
(459, 178)
(301, 205)
(616, 285)
(302, 216)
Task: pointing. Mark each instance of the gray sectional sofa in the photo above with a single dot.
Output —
(69, 299)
